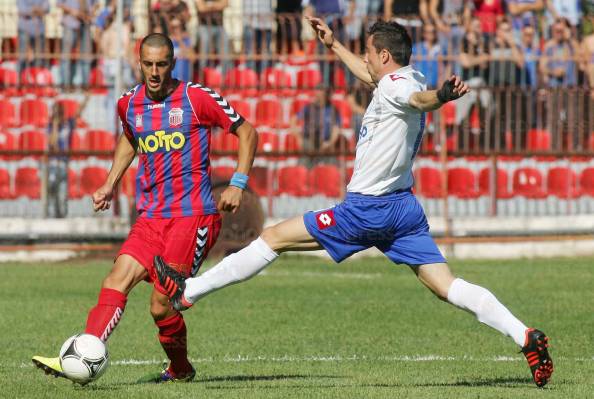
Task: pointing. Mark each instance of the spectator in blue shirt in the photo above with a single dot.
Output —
(529, 47)
(558, 66)
(181, 50)
(31, 31)
(425, 56)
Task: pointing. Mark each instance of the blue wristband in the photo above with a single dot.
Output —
(239, 180)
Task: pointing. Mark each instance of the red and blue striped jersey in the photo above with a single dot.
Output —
(173, 141)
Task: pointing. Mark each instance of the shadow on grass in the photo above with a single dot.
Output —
(243, 378)
(483, 382)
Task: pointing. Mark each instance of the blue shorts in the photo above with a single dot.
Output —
(394, 223)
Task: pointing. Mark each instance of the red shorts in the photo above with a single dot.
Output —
(182, 242)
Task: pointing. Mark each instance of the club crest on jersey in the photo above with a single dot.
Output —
(175, 117)
(325, 219)
(138, 120)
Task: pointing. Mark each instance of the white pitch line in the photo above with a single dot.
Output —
(332, 358)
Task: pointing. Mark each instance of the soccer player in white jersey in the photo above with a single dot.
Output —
(379, 209)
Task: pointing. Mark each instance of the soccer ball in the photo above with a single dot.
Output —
(84, 358)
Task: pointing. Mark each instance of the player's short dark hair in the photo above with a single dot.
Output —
(393, 37)
(158, 40)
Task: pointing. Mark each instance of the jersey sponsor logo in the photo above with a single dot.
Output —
(325, 219)
(175, 117)
(395, 77)
(155, 106)
(138, 120)
(161, 141)
(362, 132)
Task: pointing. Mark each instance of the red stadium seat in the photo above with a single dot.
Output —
(244, 108)
(101, 140)
(223, 141)
(223, 172)
(97, 81)
(270, 113)
(8, 117)
(562, 182)
(538, 140)
(277, 80)
(448, 113)
(243, 80)
(325, 179)
(309, 79)
(77, 143)
(7, 143)
(298, 104)
(291, 143)
(344, 109)
(209, 77)
(528, 182)
(5, 189)
(261, 180)
(38, 80)
(268, 142)
(293, 180)
(74, 185)
(9, 82)
(27, 183)
(129, 182)
(502, 183)
(339, 80)
(429, 182)
(34, 112)
(587, 181)
(91, 178)
(32, 140)
(462, 183)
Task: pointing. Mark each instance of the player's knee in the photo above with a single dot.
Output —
(159, 311)
(271, 235)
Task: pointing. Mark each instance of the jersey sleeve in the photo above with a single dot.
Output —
(212, 109)
(396, 91)
(123, 104)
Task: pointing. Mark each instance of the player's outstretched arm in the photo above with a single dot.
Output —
(429, 100)
(351, 60)
(123, 157)
(248, 143)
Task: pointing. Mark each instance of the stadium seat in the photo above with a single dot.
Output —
(448, 113)
(309, 79)
(298, 104)
(128, 187)
(8, 117)
(97, 81)
(223, 173)
(270, 113)
(429, 182)
(244, 108)
(101, 140)
(268, 141)
(5, 189)
(290, 143)
(261, 180)
(502, 183)
(9, 82)
(34, 112)
(32, 140)
(538, 140)
(223, 141)
(277, 81)
(339, 80)
(27, 183)
(528, 182)
(293, 180)
(325, 179)
(209, 77)
(38, 81)
(344, 109)
(7, 143)
(242, 80)
(462, 183)
(71, 109)
(73, 184)
(587, 181)
(562, 183)
(91, 178)
(77, 143)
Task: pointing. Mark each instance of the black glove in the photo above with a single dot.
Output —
(446, 93)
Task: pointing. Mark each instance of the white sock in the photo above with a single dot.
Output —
(233, 269)
(487, 309)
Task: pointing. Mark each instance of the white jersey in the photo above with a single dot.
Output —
(390, 136)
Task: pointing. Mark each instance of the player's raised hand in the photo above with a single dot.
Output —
(452, 89)
(323, 31)
(230, 199)
(102, 197)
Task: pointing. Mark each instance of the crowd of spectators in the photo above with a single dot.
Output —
(535, 44)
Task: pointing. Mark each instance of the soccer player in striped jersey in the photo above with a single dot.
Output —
(168, 124)
(379, 209)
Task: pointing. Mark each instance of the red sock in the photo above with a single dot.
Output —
(172, 335)
(105, 316)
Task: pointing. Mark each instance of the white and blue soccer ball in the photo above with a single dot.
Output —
(84, 358)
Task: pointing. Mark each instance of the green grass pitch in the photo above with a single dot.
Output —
(310, 329)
